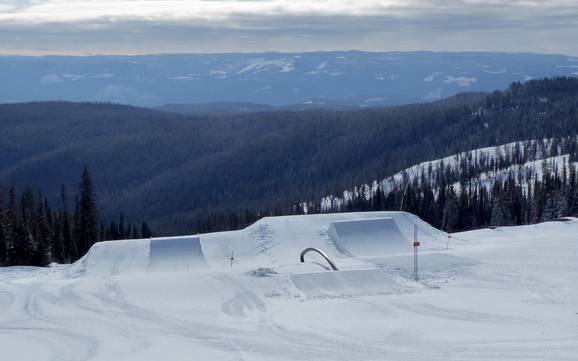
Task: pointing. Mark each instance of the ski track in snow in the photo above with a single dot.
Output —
(504, 294)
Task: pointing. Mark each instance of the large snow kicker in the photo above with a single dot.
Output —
(141, 255)
(369, 237)
(176, 254)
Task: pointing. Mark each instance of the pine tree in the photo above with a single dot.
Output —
(537, 202)
(451, 211)
(135, 232)
(87, 222)
(43, 237)
(145, 231)
(572, 194)
(3, 245)
(27, 244)
(12, 228)
(122, 234)
(501, 215)
(69, 247)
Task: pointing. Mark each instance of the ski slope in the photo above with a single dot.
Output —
(499, 294)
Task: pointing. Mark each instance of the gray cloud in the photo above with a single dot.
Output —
(43, 26)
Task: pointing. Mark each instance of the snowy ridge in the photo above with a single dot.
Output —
(524, 159)
(526, 172)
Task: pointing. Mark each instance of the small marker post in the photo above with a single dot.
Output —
(232, 259)
(416, 245)
(448, 244)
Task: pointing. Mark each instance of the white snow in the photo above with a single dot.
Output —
(500, 71)
(432, 77)
(50, 79)
(460, 80)
(386, 76)
(102, 76)
(184, 77)
(501, 294)
(375, 100)
(219, 74)
(72, 77)
(258, 65)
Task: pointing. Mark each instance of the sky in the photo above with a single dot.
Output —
(89, 27)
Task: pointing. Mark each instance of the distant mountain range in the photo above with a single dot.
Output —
(301, 80)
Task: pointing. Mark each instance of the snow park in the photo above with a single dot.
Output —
(506, 293)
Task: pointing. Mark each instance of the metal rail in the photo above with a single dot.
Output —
(307, 250)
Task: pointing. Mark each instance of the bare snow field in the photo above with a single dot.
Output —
(495, 294)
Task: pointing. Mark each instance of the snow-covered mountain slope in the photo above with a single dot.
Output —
(502, 294)
(525, 160)
(327, 78)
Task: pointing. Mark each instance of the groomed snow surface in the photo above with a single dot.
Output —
(495, 294)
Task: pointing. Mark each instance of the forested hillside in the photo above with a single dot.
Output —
(186, 173)
(513, 184)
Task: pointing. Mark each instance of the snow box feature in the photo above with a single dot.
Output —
(176, 254)
(369, 237)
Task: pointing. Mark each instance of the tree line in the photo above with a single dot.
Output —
(33, 233)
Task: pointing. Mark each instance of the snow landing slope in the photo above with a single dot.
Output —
(501, 294)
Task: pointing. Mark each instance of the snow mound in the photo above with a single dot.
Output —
(141, 255)
(113, 258)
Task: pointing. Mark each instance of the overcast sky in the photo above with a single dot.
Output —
(162, 26)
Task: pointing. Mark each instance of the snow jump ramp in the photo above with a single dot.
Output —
(141, 255)
(176, 254)
(382, 236)
(368, 237)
